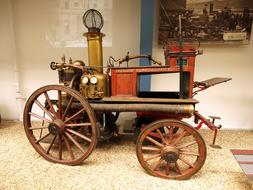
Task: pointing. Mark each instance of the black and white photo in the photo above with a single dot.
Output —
(209, 21)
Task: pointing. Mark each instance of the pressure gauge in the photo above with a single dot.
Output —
(85, 80)
(93, 80)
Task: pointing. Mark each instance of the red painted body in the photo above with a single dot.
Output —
(125, 80)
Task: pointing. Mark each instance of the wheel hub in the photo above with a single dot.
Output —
(170, 154)
(57, 127)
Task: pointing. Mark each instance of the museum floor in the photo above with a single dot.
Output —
(113, 165)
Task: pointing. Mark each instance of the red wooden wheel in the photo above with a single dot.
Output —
(173, 155)
(56, 130)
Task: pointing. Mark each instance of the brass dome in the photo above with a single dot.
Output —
(78, 63)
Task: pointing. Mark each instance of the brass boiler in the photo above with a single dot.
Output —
(95, 84)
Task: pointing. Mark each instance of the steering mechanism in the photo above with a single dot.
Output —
(53, 65)
(77, 64)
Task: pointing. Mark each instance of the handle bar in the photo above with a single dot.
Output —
(149, 57)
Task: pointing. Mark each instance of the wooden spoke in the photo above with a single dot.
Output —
(162, 137)
(42, 138)
(189, 153)
(152, 157)
(67, 108)
(39, 117)
(50, 104)
(155, 142)
(167, 168)
(186, 145)
(60, 146)
(171, 135)
(51, 144)
(69, 147)
(73, 116)
(44, 109)
(59, 103)
(157, 164)
(79, 135)
(41, 132)
(78, 124)
(75, 142)
(186, 162)
(42, 124)
(179, 138)
(36, 128)
(177, 169)
(149, 148)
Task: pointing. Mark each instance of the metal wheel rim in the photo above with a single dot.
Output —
(166, 171)
(64, 140)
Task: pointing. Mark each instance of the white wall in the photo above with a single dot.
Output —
(34, 53)
(232, 101)
(8, 105)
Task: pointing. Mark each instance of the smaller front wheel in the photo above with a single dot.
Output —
(163, 153)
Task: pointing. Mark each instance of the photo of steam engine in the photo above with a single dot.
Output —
(208, 21)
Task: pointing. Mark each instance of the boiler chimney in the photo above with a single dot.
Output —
(93, 21)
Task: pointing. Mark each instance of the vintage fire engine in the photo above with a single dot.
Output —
(64, 122)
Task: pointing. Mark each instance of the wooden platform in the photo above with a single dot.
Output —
(213, 81)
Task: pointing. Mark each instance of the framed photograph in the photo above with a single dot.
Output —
(64, 27)
(209, 21)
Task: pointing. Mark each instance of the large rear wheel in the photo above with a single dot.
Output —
(58, 131)
(171, 155)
